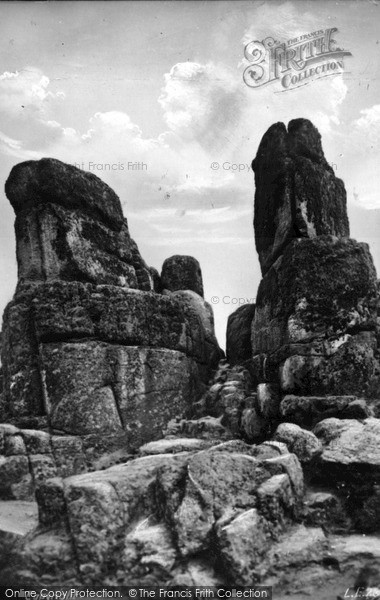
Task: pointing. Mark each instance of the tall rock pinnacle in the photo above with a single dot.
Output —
(297, 193)
(314, 329)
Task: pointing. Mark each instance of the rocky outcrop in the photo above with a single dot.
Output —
(90, 348)
(315, 323)
(29, 457)
(264, 476)
(315, 328)
(181, 272)
(297, 193)
(239, 324)
(144, 522)
(310, 410)
(70, 226)
(315, 318)
(350, 463)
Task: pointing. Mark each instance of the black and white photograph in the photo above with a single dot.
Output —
(190, 335)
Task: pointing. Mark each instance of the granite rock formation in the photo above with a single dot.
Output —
(314, 330)
(89, 348)
(144, 522)
(182, 273)
(269, 475)
(70, 226)
(239, 325)
(297, 193)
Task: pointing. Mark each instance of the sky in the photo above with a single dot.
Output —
(160, 85)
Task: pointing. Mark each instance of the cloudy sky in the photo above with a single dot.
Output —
(161, 83)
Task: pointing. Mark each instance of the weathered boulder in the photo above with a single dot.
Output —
(230, 397)
(349, 442)
(29, 458)
(68, 311)
(304, 444)
(315, 319)
(324, 509)
(70, 226)
(307, 411)
(350, 461)
(297, 193)
(200, 319)
(16, 479)
(181, 272)
(253, 426)
(239, 325)
(295, 298)
(102, 505)
(204, 428)
(298, 548)
(93, 387)
(243, 541)
(174, 445)
(221, 483)
(157, 517)
(89, 347)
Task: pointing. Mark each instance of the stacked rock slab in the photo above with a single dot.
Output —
(166, 515)
(181, 278)
(314, 330)
(89, 348)
(182, 272)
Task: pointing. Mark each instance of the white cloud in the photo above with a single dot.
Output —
(201, 102)
(281, 21)
(25, 91)
(360, 149)
(367, 127)
(12, 147)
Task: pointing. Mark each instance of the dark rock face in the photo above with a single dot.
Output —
(315, 329)
(315, 318)
(239, 347)
(297, 193)
(310, 410)
(70, 226)
(89, 348)
(48, 180)
(182, 273)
